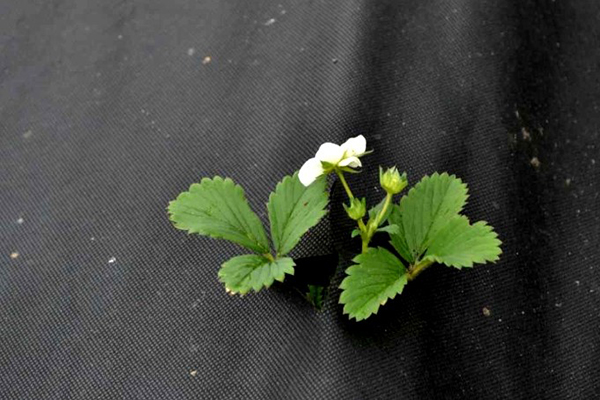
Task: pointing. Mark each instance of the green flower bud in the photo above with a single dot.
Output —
(391, 181)
(357, 209)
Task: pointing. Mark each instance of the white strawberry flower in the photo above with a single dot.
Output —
(331, 157)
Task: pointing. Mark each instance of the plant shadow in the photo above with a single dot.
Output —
(311, 279)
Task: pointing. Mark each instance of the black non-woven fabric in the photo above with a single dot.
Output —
(109, 109)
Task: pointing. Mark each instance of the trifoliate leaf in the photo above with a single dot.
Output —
(251, 271)
(294, 209)
(378, 276)
(398, 239)
(218, 208)
(428, 206)
(459, 244)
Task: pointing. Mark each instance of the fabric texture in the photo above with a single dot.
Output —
(109, 109)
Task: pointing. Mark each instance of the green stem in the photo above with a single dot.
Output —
(369, 232)
(269, 257)
(386, 205)
(365, 245)
(418, 268)
(363, 235)
(340, 175)
(361, 225)
(366, 237)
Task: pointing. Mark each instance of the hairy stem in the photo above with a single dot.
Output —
(418, 268)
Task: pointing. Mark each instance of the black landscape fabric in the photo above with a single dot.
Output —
(109, 109)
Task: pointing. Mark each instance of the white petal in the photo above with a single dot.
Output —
(353, 162)
(355, 146)
(310, 171)
(330, 152)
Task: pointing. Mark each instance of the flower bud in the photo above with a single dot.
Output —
(357, 209)
(391, 181)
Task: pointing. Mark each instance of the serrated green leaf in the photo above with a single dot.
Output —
(391, 229)
(459, 244)
(243, 273)
(398, 239)
(218, 208)
(428, 206)
(294, 209)
(377, 276)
